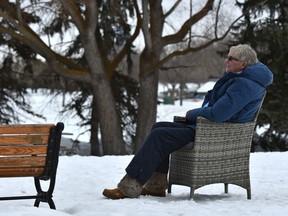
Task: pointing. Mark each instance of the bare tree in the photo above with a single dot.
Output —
(152, 58)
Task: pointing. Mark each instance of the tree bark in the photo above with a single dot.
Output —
(95, 145)
(110, 128)
(147, 105)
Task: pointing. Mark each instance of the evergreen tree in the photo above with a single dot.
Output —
(265, 27)
(12, 93)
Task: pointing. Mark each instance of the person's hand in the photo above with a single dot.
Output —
(179, 119)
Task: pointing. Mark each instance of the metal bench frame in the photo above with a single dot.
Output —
(49, 172)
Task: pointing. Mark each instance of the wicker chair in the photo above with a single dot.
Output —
(220, 154)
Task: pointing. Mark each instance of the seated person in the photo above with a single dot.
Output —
(235, 97)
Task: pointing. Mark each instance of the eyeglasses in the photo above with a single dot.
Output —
(231, 58)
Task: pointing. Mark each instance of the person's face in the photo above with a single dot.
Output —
(233, 64)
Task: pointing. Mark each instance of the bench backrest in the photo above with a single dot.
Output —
(29, 150)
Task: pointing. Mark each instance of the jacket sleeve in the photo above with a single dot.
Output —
(236, 97)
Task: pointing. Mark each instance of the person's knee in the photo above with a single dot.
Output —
(162, 124)
(156, 125)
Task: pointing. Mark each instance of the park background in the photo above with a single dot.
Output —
(112, 66)
(104, 61)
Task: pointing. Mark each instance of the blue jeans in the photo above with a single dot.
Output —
(164, 138)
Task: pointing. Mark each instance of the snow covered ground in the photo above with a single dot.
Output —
(81, 180)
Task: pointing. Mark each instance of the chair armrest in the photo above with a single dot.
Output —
(202, 120)
(220, 132)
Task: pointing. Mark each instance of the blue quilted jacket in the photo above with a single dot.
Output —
(235, 97)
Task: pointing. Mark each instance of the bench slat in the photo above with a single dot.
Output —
(26, 129)
(32, 161)
(22, 150)
(23, 139)
(21, 172)
(31, 150)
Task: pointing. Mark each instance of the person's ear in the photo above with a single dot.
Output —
(244, 64)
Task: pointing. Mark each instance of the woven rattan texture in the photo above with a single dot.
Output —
(221, 154)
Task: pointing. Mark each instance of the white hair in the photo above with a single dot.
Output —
(245, 53)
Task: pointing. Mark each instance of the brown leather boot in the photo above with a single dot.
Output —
(156, 185)
(127, 188)
(114, 193)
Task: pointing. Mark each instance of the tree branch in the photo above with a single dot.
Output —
(175, 67)
(172, 8)
(145, 24)
(68, 72)
(194, 49)
(75, 14)
(29, 37)
(217, 19)
(178, 36)
(119, 57)
(91, 17)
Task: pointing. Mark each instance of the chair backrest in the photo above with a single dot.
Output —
(260, 106)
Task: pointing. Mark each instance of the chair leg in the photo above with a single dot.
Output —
(191, 193)
(249, 194)
(169, 188)
(226, 187)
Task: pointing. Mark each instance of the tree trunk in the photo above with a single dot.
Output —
(148, 77)
(110, 128)
(96, 147)
(147, 107)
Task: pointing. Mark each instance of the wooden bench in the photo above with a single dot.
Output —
(31, 150)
